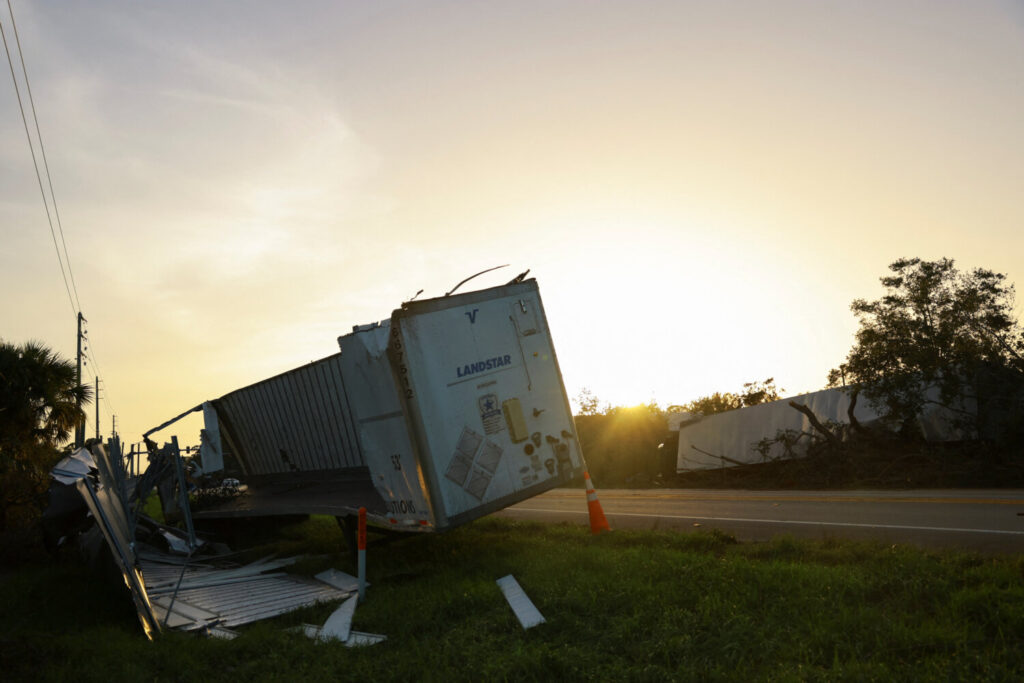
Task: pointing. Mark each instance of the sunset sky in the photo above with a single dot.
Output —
(700, 188)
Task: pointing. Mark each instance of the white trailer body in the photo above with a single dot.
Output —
(452, 409)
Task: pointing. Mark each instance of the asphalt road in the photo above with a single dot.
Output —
(982, 520)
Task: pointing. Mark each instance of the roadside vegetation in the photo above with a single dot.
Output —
(939, 339)
(39, 396)
(646, 606)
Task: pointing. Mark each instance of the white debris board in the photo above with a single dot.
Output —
(339, 624)
(525, 611)
(339, 579)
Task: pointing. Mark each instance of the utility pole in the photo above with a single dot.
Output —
(96, 400)
(80, 429)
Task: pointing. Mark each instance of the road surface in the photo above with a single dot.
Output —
(982, 520)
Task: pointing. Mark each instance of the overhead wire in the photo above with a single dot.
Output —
(42, 151)
(99, 373)
(65, 261)
(35, 164)
(96, 370)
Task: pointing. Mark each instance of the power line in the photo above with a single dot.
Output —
(73, 300)
(42, 150)
(35, 164)
(98, 372)
(90, 354)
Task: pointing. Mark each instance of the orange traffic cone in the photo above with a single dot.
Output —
(598, 522)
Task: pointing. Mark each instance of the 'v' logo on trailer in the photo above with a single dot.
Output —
(471, 315)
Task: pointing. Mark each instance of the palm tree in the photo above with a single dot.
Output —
(39, 398)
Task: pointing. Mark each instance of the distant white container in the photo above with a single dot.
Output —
(452, 409)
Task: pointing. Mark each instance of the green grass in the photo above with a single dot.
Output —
(640, 606)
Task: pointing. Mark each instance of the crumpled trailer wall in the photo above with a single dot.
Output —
(452, 409)
(294, 439)
(298, 421)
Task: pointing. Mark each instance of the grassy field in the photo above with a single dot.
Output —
(646, 606)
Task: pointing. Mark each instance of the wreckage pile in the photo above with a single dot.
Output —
(191, 586)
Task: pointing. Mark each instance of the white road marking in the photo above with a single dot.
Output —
(778, 521)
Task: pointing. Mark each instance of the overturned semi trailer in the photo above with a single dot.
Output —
(452, 409)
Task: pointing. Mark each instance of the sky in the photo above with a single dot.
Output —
(701, 189)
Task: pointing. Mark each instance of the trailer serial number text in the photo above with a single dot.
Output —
(401, 507)
(403, 371)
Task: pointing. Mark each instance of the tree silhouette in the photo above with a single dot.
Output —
(39, 397)
(939, 328)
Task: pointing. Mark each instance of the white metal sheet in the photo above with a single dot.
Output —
(339, 624)
(339, 579)
(384, 436)
(526, 612)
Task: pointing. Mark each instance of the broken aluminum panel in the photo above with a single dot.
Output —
(360, 639)
(383, 430)
(339, 579)
(156, 475)
(110, 480)
(298, 421)
(192, 597)
(211, 452)
(259, 598)
(526, 612)
(230, 597)
(210, 577)
(355, 638)
(110, 516)
(339, 625)
(182, 615)
(221, 633)
(186, 509)
(73, 467)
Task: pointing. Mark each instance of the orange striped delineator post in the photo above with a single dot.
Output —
(598, 522)
(362, 554)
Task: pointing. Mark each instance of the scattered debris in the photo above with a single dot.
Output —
(355, 638)
(339, 625)
(360, 639)
(73, 467)
(222, 633)
(188, 593)
(339, 579)
(231, 602)
(526, 612)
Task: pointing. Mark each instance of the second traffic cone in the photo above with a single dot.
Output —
(598, 522)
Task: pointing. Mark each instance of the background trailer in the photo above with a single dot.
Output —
(452, 409)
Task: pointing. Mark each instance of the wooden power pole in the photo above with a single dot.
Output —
(80, 429)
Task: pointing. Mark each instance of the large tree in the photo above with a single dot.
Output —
(754, 393)
(39, 396)
(939, 336)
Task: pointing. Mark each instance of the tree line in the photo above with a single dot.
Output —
(938, 338)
